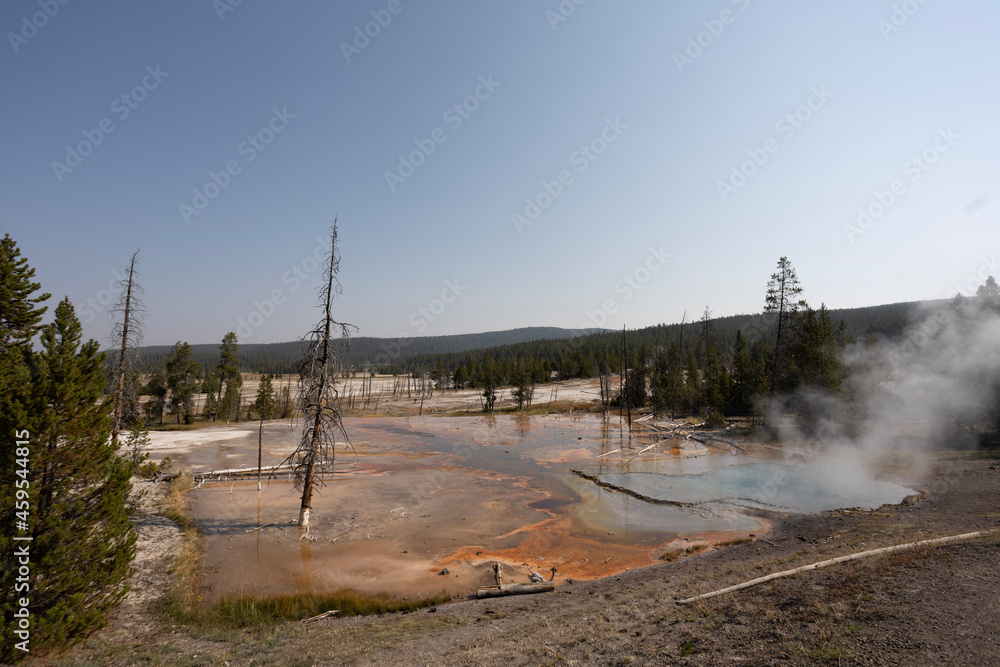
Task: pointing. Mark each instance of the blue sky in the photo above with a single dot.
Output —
(608, 163)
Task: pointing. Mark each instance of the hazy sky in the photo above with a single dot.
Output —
(497, 164)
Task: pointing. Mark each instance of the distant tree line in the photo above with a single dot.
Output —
(171, 388)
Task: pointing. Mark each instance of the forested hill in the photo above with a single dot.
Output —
(885, 321)
(399, 355)
(284, 357)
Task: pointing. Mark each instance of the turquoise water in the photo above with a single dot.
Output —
(786, 487)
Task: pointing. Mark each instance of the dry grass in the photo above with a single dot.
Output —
(671, 556)
(187, 567)
(247, 611)
(733, 543)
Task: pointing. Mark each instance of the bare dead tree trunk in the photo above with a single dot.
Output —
(628, 392)
(260, 447)
(218, 400)
(320, 401)
(621, 382)
(680, 368)
(127, 334)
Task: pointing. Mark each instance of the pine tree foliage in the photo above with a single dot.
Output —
(156, 388)
(83, 541)
(20, 318)
(229, 375)
(265, 404)
(182, 376)
(20, 313)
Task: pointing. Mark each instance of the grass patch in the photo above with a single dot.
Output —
(184, 427)
(187, 567)
(249, 611)
(671, 556)
(733, 543)
(970, 454)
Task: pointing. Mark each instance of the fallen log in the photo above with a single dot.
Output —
(835, 561)
(711, 440)
(646, 449)
(325, 614)
(513, 589)
(624, 489)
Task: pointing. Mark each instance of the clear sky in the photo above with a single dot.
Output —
(608, 163)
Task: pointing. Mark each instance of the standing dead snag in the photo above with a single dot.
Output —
(318, 392)
(126, 336)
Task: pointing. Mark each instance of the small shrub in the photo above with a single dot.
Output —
(147, 470)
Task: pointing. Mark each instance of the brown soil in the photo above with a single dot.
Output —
(927, 606)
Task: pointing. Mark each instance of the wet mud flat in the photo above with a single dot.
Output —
(416, 497)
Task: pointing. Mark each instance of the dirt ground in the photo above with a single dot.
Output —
(937, 605)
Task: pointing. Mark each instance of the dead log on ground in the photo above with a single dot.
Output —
(325, 614)
(514, 589)
(835, 561)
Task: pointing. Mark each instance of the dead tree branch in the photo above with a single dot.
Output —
(318, 394)
(126, 335)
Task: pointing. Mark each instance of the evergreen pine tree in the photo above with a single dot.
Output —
(20, 313)
(83, 542)
(156, 388)
(229, 374)
(182, 372)
(743, 376)
(136, 445)
(285, 406)
(692, 383)
(264, 405)
(523, 383)
(20, 317)
(783, 298)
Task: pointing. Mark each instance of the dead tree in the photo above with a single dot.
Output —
(126, 336)
(680, 367)
(604, 375)
(318, 393)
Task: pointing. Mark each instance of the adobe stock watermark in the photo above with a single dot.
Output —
(914, 168)
(697, 44)
(420, 319)
(223, 7)
(294, 278)
(581, 158)
(21, 563)
(562, 12)
(363, 36)
(899, 17)
(916, 338)
(249, 149)
(627, 287)
(31, 25)
(106, 298)
(767, 490)
(989, 267)
(786, 126)
(122, 107)
(454, 116)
